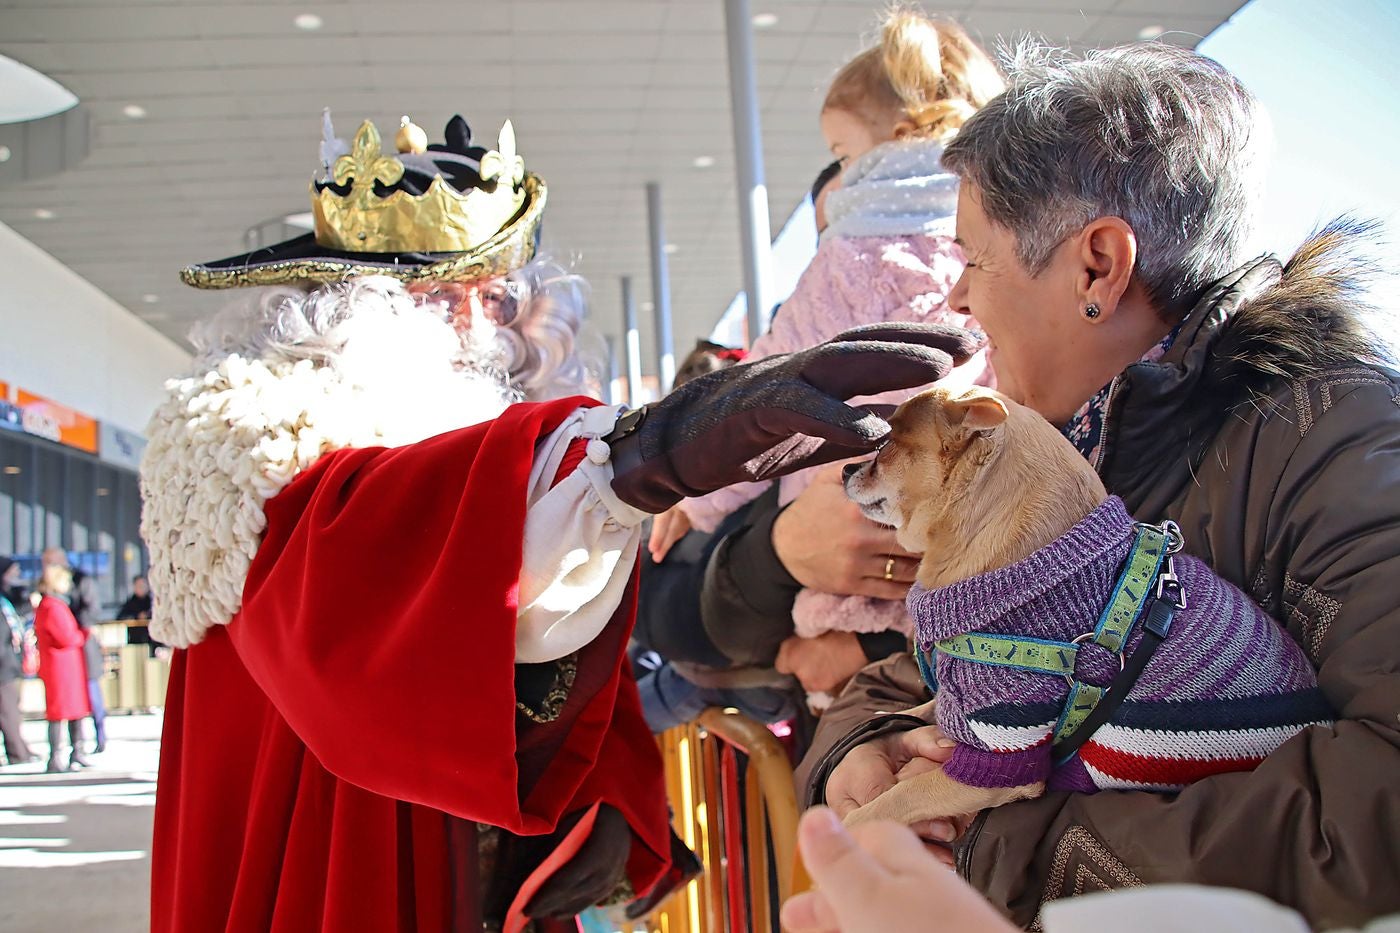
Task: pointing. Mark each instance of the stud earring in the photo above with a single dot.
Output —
(1091, 311)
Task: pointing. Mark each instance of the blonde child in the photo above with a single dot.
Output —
(887, 253)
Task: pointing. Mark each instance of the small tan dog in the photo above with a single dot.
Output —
(1036, 587)
(933, 482)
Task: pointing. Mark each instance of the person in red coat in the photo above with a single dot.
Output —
(404, 413)
(61, 667)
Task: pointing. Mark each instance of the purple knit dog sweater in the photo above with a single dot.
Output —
(1225, 688)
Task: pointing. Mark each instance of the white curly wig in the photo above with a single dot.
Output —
(284, 375)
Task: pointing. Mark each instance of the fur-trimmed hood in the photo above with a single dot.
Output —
(1255, 331)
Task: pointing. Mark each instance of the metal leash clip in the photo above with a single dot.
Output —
(1169, 586)
(1169, 530)
(1168, 583)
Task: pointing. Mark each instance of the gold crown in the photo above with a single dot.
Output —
(440, 220)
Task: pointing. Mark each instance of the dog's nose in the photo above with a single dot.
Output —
(850, 469)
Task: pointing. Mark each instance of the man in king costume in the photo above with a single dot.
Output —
(395, 548)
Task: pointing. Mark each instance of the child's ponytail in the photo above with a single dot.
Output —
(925, 72)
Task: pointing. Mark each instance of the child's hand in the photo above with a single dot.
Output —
(877, 878)
(666, 529)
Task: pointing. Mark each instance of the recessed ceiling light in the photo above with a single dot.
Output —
(670, 248)
(43, 213)
(764, 20)
(5, 153)
(704, 162)
(1147, 33)
(135, 111)
(150, 299)
(308, 21)
(648, 306)
(12, 471)
(103, 491)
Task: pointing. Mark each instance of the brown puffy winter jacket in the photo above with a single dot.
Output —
(1272, 436)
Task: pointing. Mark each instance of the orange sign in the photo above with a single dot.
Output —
(48, 419)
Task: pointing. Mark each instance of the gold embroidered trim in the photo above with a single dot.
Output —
(1259, 589)
(1095, 866)
(1348, 377)
(1303, 403)
(1338, 379)
(1312, 612)
(566, 669)
(507, 251)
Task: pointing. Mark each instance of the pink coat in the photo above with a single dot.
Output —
(853, 281)
(61, 666)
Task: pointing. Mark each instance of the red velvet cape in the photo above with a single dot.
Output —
(313, 745)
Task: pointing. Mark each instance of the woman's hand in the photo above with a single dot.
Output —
(870, 769)
(879, 879)
(828, 545)
(666, 529)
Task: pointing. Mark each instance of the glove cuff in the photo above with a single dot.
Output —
(647, 485)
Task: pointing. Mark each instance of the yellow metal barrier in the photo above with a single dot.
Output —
(744, 837)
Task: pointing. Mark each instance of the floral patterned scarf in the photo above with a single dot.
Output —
(1085, 429)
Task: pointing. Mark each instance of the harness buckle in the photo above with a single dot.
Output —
(1079, 640)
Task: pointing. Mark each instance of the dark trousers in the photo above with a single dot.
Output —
(15, 748)
(99, 711)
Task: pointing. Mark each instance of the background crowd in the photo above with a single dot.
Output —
(48, 633)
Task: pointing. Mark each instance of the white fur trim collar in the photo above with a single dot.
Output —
(226, 441)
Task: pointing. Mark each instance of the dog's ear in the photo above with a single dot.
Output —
(976, 411)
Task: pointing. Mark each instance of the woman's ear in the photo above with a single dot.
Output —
(1107, 250)
(905, 128)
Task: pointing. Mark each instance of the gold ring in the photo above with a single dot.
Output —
(889, 569)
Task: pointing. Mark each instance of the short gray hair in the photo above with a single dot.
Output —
(1160, 136)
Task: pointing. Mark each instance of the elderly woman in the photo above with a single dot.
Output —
(1105, 207)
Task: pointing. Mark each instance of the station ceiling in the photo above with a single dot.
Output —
(206, 118)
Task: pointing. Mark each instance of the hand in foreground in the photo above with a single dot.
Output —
(591, 875)
(879, 879)
(766, 419)
(828, 545)
(822, 664)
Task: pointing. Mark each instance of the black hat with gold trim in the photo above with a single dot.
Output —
(446, 212)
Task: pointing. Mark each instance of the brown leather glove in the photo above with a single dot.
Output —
(775, 416)
(592, 874)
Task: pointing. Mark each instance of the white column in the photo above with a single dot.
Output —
(755, 244)
(632, 346)
(660, 290)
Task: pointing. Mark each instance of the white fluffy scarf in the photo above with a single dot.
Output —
(227, 440)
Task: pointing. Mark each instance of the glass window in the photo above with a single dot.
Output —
(49, 506)
(113, 581)
(12, 456)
